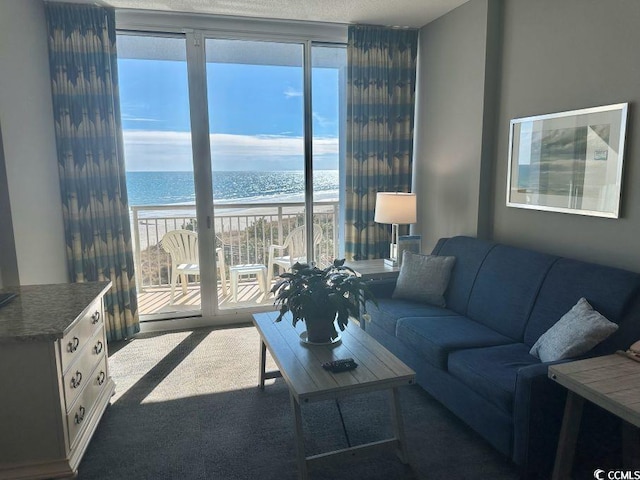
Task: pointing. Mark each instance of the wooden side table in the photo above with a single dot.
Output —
(611, 382)
(373, 269)
(260, 271)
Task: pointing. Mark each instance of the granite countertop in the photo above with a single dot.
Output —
(46, 312)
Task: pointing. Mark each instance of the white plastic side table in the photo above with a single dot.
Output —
(235, 271)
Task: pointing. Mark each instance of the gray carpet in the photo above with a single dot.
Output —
(187, 407)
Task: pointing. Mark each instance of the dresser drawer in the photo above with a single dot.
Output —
(73, 343)
(77, 376)
(84, 406)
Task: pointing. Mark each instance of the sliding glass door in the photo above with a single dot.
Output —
(328, 102)
(154, 98)
(235, 143)
(256, 118)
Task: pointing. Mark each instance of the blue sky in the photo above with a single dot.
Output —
(255, 116)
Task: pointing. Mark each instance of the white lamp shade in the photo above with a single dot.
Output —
(398, 208)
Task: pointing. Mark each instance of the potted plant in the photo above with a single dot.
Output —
(321, 297)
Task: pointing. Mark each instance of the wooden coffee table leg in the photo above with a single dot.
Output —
(303, 474)
(398, 426)
(263, 362)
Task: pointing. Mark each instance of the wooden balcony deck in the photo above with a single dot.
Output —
(154, 300)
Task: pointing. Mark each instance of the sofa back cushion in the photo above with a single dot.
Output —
(506, 287)
(609, 290)
(469, 253)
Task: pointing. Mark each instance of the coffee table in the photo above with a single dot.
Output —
(300, 366)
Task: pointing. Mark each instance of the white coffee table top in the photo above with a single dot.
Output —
(300, 364)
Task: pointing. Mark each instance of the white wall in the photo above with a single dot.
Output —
(29, 144)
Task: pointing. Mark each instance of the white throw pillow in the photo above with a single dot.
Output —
(577, 332)
(424, 278)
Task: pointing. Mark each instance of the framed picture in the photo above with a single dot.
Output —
(410, 243)
(568, 162)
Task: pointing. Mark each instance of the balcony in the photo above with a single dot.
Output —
(244, 231)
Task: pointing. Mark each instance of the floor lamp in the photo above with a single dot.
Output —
(396, 209)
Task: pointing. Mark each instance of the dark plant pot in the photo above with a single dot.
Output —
(321, 328)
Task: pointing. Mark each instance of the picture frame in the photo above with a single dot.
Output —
(411, 243)
(569, 162)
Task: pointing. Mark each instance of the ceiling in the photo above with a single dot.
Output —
(407, 13)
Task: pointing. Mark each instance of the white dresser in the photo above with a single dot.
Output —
(54, 378)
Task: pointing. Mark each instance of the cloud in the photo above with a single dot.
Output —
(159, 150)
(130, 118)
(291, 92)
(322, 121)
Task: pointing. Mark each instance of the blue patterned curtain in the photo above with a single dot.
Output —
(86, 109)
(381, 65)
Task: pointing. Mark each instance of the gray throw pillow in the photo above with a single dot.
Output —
(577, 332)
(424, 278)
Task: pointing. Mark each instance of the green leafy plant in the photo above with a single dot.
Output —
(312, 294)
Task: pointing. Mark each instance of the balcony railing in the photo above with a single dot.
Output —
(243, 230)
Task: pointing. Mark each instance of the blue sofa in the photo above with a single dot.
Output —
(473, 355)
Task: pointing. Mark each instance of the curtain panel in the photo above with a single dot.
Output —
(381, 74)
(86, 109)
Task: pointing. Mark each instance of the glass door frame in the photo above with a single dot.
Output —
(197, 28)
(196, 66)
(196, 312)
(201, 138)
(202, 175)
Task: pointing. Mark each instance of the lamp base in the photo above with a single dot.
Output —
(390, 262)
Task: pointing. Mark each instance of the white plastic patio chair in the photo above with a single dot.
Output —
(292, 250)
(182, 245)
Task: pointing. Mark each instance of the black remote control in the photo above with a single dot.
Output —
(341, 365)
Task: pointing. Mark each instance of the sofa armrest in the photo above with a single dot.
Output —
(538, 408)
(382, 288)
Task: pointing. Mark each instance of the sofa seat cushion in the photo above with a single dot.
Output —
(389, 311)
(492, 372)
(435, 337)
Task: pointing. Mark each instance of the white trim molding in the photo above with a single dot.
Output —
(226, 26)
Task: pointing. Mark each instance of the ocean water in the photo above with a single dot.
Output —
(175, 188)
